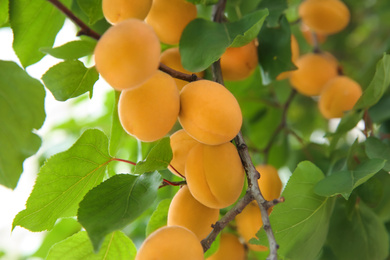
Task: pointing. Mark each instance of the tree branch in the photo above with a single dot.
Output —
(178, 74)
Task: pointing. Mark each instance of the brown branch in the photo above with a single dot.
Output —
(177, 74)
(171, 183)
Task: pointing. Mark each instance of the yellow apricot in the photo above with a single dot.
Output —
(214, 174)
(187, 212)
(269, 182)
(230, 248)
(209, 112)
(339, 95)
(308, 35)
(294, 57)
(169, 18)
(324, 16)
(171, 57)
(181, 144)
(314, 70)
(249, 223)
(127, 54)
(171, 243)
(149, 111)
(116, 11)
(240, 62)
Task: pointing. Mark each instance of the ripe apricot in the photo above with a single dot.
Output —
(149, 111)
(181, 144)
(230, 248)
(171, 57)
(269, 183)
(294, 57)
(249, 223)
(209, 112)
(169, 18)
(215, 175)
(187, 212)
(339, 95)
(324, 16)
(127, 54)
(238, 63)
(171, 243)
(116, 11)
(314, 70)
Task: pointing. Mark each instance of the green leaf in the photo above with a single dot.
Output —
(4, 12)
(35, 24)
(275, 51)
(115, 203)
(300, 224)
(203, 2)
(276, 9)
(360, 235)
(92, 8)
(375, 148)
(116, 246)
(158, 158)
(71, 50)
(203, 42)
(63, 181)
(70, 79)
(344, 182)
(159, 217)
(378, 85)
(21, 110)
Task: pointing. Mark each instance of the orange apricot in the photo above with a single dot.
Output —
(149, 111)
(171, 243)
(238, 63)
(116, 11)
(324, 16)
(181, 144)
(209, 112)
(230, 248)
(169, 18)
(127, 54)
(339, 95)
(214, 174)
(314, 70)
(171, 57)
(294, 57)
(269, 183)
(187, 212)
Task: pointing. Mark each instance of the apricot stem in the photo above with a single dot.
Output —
(123, 160)
(171, 183)
(177, 74)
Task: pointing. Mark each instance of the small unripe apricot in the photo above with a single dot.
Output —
(181, 144)
(169, 18)
(127, 54)
(171, 57)
(230, 248)
(149, 111)
(269, 183)
(171, 243)
(294, 57)
(324, 16)
(338, 96)
(215, 175)
(314, 70)
(209, 112)
(238, 63)
(116, 11)
(187, 212)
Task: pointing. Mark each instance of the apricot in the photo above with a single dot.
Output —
(209, 112)
(238, 63)
(269, 183)
(127, 54)
(181, 144)
(324, 16)
(294, 57)
(187, 212)
(339, 95)
(314, 70)
(116, 11)
(149, 111)
(249, 223)
(214, 174)
(171, 57)
(169, 18)
(230, 248)
(171, 243)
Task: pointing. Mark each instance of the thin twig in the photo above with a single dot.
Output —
(171, 183)
(178, 74)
